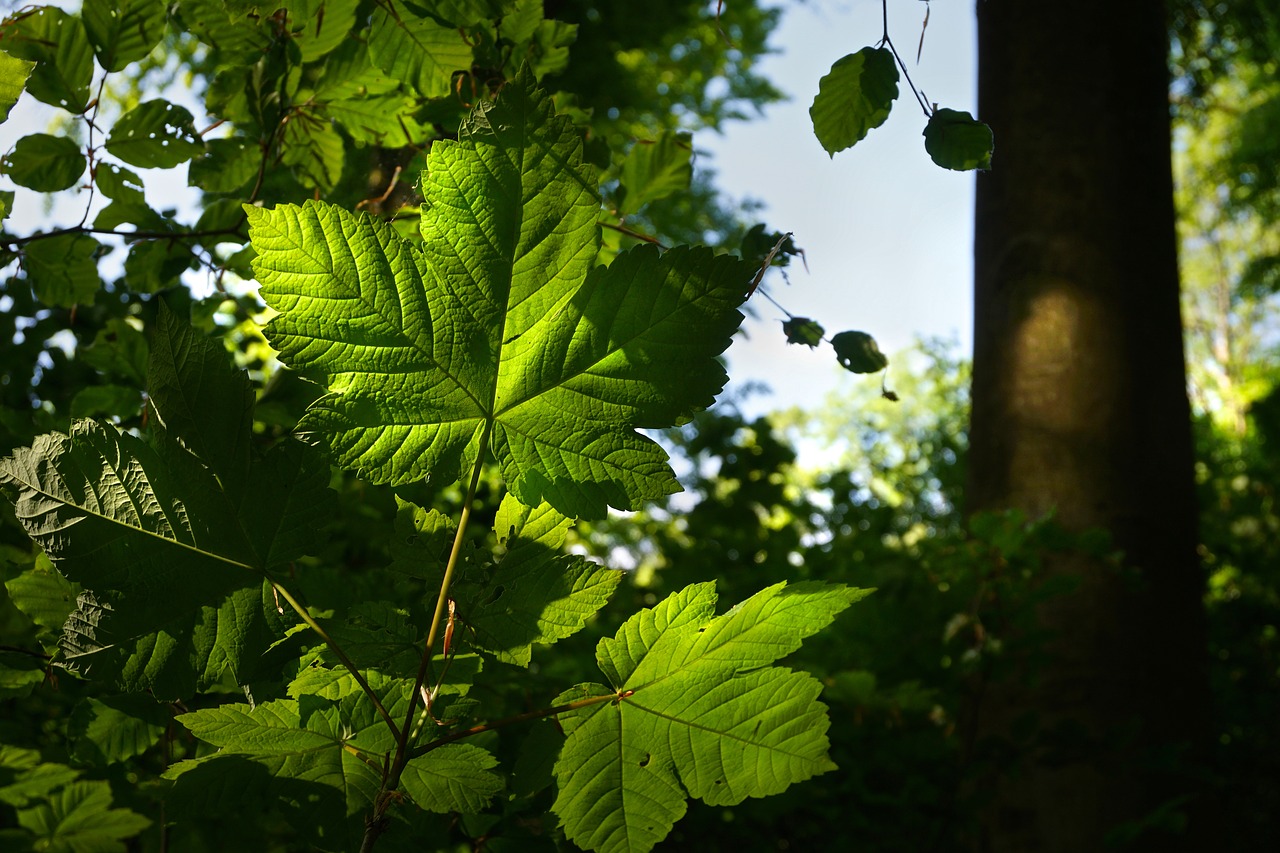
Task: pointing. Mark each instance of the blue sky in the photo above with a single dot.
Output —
(888, 235)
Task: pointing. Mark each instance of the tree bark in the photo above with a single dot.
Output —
(1080, 408)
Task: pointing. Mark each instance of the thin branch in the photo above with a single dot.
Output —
(17, 242)
(376, 823)
(338, 652)
(622, 229)
(480, 728)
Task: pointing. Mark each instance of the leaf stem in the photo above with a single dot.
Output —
(517, 718)
(338, 652)
(377, 822)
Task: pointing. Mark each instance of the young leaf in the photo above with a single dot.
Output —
(956, 140)
(123, 31)
(497, 328)
(13, 79)
(698, 711)
(854, 97)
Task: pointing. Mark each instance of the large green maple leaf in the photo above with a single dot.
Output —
(497, 335)
(171, 538)
(698, 711)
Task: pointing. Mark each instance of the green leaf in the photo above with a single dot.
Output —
(23, 778)
(655, 170)
(57, 43)
(454, 778)
(331, 752)
(319, 26)
(20, 674)
(183, 526)
(112, 401)
(520, 23)
(123, 31)
(79, 819)
(154, 265)
(115, 728)
(696, 709)
(13, 79)
(120, 351)
(63, 270)
(43, 595)
(533, 593)
(155, 135)
(45, 163)
(858, 352)
(956, 140)
(854, 97)
(387, 120)
(119, 183)
(228, 164)
(416, 49)
(497, 326)
(314, 149)
(802, 330)
(462, 13)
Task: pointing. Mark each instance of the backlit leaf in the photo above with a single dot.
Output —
(498, 327)
(45, 163)
(956, 140)
(655, 170)
(155, 135)
(858, 352)
(698, 711)
(57, 43)
(13, 79)
(416, 49)
(854, 97)
(123, 31)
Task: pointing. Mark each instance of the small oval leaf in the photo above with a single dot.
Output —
(854, 97)
(858, 352)
(956, 140)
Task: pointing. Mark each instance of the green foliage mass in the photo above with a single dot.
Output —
(346, 632)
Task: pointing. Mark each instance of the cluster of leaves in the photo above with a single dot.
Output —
(183, 558)
(857, 95)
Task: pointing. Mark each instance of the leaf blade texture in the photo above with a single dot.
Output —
(498, 331)
(699, 711)
(854, 98)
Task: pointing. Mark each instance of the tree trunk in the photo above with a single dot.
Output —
(1080, 407)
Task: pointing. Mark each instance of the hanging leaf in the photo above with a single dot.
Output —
(802, 330)
(956, 140)
(858, 352)
(498, 327)
(698, 711)
(854, 97)
(45, 163)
